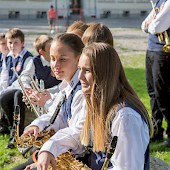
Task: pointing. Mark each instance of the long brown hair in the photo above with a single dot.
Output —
(110, 89)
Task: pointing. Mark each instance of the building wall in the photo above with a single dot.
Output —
(91, 8)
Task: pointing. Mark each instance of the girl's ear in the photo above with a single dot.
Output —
(40, 51)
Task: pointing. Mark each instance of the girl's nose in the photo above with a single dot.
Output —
(80, 75)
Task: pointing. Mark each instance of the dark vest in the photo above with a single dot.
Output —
(67, 104)
(44, 73)
(1, 62)
(19, 67)
(96, 159)
(9, 66)
(153, 42)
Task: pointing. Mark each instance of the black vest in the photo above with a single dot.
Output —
(1, 62)
(18, 67)
(44, 73)
(67, 104)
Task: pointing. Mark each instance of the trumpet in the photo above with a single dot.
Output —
(164, 35)
(34, 86)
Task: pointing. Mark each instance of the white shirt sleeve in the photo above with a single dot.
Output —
(69, 137)
(4, 76)
(161, 23)
(133, 139)
(144, 26)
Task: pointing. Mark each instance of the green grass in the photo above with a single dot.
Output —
(135, 70)
(8, 157)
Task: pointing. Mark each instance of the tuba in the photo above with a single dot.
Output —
(34, 86)
(164, 35)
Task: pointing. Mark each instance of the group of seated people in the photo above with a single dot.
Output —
(87, 98)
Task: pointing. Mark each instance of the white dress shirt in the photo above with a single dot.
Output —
(66, 137)
(133, 139)
(4, 75)
(161, 22)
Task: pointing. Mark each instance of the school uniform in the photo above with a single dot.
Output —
(157, 67)
(12, 95)
(43, 72)
(132, 146)
(68, 127)
(133, 140)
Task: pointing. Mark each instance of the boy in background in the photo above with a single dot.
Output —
(3, 49)
(4, 59)
(3, 65)
(12, 95)
(41, 63)
(52, 15)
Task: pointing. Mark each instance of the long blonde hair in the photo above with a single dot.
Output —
(110, 89)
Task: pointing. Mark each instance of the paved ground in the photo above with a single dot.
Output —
(128, 37)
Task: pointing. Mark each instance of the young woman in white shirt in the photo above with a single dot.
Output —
(64, 52)
(113, 109)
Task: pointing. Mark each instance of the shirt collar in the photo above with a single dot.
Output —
(44, 61)
(68, 87)
(21, 54)
(3, 56)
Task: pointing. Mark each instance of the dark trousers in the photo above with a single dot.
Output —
(158, 85)
(8, 100)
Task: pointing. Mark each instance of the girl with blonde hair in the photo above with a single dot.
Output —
(113, 109)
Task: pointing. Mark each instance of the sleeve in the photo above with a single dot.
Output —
(145, 25)
(161, 22)
(4, 77)
(133, 138)
(44, 119)
(69, 137)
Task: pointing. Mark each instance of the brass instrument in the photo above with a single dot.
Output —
(67, 161)
(164, 35)
(16, 118)
(34, 86)
(109, 152)
(26, 142)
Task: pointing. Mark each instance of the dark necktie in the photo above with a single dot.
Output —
(15, 61)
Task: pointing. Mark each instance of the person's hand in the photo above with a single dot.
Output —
(30, 93)
(31, 130)
(36, 98)
(44, 160)
(31, 166)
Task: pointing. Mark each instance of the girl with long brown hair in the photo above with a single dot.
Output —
(113, 109)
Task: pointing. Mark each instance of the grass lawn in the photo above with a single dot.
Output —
(135, 71)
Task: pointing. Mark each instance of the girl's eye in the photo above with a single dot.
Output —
(87, 70)
(62, 59)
